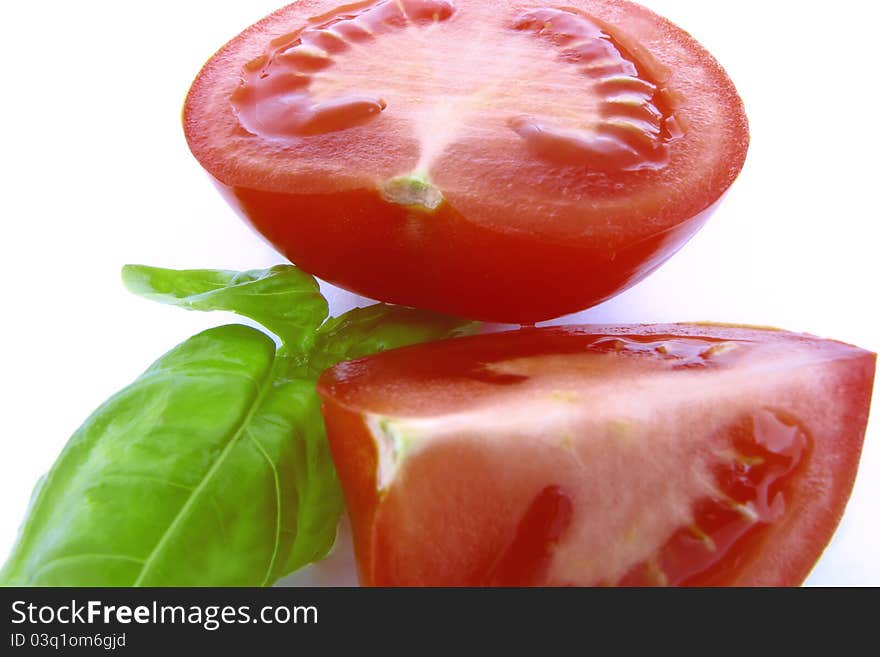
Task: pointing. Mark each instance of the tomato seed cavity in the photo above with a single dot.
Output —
(769, 448)
(274, 98)
(633, 132)
(530, 552)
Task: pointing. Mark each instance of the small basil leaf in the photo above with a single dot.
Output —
(284, 299)
(200, 473)
(364, 331)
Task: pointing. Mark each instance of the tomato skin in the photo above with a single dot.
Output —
(360, 242)
(519, 236)
(448, 514)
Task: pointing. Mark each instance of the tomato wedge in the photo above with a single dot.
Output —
(682, 455)
(509, 161)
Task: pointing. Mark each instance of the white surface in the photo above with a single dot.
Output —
(96, 173)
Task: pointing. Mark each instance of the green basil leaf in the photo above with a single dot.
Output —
(284, 299)
(364, 331)
(202, 472)
(213, 467)
(312, 483)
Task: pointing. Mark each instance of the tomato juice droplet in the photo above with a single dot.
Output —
(678, 351)
(529, 554)
(769, 449)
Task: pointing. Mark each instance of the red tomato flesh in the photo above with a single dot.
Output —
(510, 161)
(682, 455)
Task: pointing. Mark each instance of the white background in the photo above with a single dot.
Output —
(95, 173)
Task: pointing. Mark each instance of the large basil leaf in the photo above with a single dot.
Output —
(193, 475)
(212, 468)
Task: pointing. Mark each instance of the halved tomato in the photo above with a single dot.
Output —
(510, 161)
(599, 455)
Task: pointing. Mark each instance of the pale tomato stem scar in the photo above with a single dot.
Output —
(412, 190)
